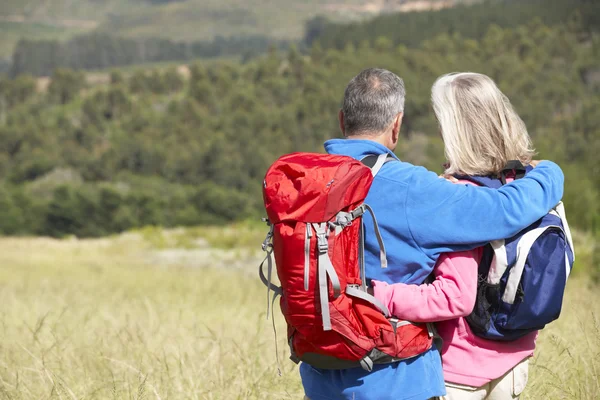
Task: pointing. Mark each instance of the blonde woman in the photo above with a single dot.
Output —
(481, 133)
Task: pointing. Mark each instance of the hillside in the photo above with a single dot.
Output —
(182, 19)
(467, 20)
(153, 147)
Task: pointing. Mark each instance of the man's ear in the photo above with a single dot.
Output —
(396, 128)
(341, 118)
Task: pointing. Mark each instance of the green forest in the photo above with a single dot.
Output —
(104, 49)
(95, 51)
(176, 20)
(470, 21)
(156, 147)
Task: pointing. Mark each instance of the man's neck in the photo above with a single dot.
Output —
(378, 138)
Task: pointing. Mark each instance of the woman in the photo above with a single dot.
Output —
(481, 133)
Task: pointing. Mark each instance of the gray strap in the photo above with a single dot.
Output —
(323, 243)
(324, 297)
(380, 161)
(367, 363)
(307, 237)
(361, 257)
(325, 270)
(335, 281)
(355, 292)
(275, 294)
(382, 253)
(267, 280)
(371, 159)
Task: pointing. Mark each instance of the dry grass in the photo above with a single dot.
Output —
(107, 319)
(566, 364)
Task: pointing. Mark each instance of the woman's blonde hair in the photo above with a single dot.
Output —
(480, 128)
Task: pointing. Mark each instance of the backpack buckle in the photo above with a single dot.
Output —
(322, 232)
(343, 219)
(358, 212)
(323, 243)
(267, 243)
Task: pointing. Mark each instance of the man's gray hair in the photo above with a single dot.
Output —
(372, 100)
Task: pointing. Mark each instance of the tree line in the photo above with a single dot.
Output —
(153, 147)
(469, 20)
(99, 50)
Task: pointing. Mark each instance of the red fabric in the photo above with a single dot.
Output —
(306, 187)
(313, 188)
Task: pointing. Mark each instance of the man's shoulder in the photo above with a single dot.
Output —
(406, 173)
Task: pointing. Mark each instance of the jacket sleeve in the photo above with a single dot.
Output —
(444, 217)
(451, 295)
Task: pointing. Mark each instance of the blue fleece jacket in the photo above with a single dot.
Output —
(421, 216)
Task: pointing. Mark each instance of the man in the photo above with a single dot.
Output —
(420, 216)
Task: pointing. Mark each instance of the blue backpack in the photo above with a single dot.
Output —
(522, 279)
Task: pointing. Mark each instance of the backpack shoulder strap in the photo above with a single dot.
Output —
(375, 162)
(486, 181)
(519, 169)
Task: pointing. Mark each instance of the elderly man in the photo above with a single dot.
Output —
(420, 216)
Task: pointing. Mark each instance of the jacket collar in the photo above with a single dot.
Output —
(356, 148)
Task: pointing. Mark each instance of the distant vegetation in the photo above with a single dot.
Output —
(469, 21)
(158, 148)
(101, 51)
(178, 20)
(185, 20)
(103, 48)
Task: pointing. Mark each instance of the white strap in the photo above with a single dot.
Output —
(499, 262)
(560, 211)
(307, 237)
(354, 292)
(516, 273)
(324, 297)
(325, 270)
(361, 257)
(567, 265)
(380, 161)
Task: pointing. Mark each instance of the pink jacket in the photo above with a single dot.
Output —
(467, 359)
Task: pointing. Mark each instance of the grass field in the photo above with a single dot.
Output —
(181, 315)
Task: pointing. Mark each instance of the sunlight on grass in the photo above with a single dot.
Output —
(104, 319)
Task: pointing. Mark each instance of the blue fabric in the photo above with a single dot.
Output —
(422, 216)
(385, 382)
(542, 284)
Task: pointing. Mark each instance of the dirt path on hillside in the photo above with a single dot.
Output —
(385, 6)
(62, 23)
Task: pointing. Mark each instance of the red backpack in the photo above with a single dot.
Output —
(315, 204)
